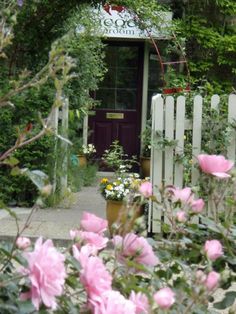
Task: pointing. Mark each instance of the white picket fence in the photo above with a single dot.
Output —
(168, 119)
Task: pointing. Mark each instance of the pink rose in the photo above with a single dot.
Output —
(165, 298)
(141, 302)
(181, 216)
(97, 241)
(216, 165)
(197, 205)
(112, 302)
(146, 189)
(182, 195)
(83, 254)
(213, 249)
(23, 243)
(95, 278)
(212, 280)
(46, 272)
(92, 223)
(200, 276)
(136, 248)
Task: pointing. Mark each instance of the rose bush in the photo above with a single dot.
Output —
(178, 273)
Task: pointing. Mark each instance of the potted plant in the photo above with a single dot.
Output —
(116, 160)
(121, 195)
(146, 150)
(84, 153)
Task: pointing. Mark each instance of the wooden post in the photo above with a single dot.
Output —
(54, 122)
(64, 146)
(196, 135)
(155, 213)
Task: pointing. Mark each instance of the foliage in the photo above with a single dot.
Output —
(146, 139)
(40, 95)
(81, 176)
(116, 159)
(208, 28)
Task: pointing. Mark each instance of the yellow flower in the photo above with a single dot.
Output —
(104, 180)
(109, 187)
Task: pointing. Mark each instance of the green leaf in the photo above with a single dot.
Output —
(26, 307)
(227, 301)
(15, 171)
(11, 161)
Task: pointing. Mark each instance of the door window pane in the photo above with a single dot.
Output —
(119, 88)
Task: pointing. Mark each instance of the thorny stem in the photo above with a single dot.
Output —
(5, 283)
(18, 234)
(19, 145)
(33, 82)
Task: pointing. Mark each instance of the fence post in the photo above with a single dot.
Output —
(54, 119)
(64, 146)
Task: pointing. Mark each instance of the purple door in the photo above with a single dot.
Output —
(119, 115)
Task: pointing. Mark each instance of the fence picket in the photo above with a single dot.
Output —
(215, 102)
(179, 136)
(169, 135)
(196, 135)
(155, 213)
(232, 118)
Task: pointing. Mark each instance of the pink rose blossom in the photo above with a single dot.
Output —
(197, 205)
(213, 249)
(23, 243)
(141, 302)
(92, 223)
(200, 276)
(95, 240)
(165, 298)
(83, 254)
(46, 272)
(95, 278)
(112, 302)
(212, 280)
(181, 216)
(216, 165)
(146, 189)
(182, 195)
(135, 247)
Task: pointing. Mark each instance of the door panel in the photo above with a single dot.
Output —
(119, 93)
(127, 133)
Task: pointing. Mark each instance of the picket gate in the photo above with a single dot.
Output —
(169, 120)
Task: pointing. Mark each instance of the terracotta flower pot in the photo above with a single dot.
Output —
(123, 215)
(145, 166)
(82, 160)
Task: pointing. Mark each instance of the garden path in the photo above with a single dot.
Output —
(55, 223)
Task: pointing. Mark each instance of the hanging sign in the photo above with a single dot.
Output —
(117, 22)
